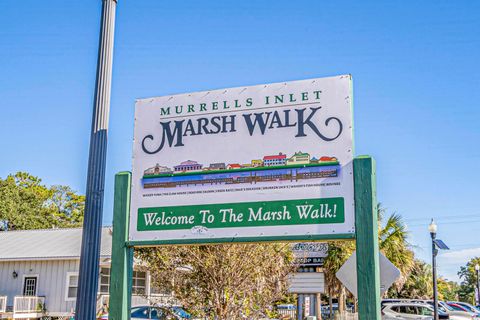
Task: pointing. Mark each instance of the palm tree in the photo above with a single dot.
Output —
(392, 242)
(392, 239)
(418, 284)
(338, 253)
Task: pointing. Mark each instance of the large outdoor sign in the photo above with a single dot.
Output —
(266, 161)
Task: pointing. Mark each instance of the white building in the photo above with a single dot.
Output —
(39, 273)
(158, 169)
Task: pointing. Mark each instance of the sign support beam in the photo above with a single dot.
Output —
(122, 255)
(366, 225)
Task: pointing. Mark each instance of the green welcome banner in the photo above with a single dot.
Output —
(245, 214)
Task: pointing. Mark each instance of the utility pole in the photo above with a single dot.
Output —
(434, 269)
(92, 223)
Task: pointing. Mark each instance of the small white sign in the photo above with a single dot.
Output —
(347, 274)
(307, 306)
(307, 282)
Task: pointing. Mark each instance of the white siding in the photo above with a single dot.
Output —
(52, 277)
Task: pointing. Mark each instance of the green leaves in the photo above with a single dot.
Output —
(467, 273)
(393, 243)
(25, 203)
(225, 281)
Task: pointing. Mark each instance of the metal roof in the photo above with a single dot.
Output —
(48, 244)
(274, 157)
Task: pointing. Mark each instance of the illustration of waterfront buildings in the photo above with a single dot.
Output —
(217, 166)
(299, 158)
(158, 169)
(275, 160)
(257, 163)
(233, 166)
(328, 159)
(188, 165)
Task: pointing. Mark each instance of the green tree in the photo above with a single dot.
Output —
(448, 290)
(66, 206)
(392, 239)
(467, 273)
(338, 254)
(393, 243)
(25, 203)
(418, 284)
(224, 282)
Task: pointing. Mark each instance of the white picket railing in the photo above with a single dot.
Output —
(3, 304)
(28, 304)
(347, 316)
(289, 314)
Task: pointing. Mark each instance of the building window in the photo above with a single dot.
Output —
(72, 286)
(104, 280)
(30, 286)
(139, 282)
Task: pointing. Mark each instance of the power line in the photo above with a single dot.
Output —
(444, 222)
(444, 217)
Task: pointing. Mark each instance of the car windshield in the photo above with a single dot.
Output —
(469, 307)
(458, 308)
(476, 309)
(141, 313)
(445, 306)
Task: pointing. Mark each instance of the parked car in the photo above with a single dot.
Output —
(409, 310)
(442, 306)
(155, 313)
(468, 306)
(454, 314)
(458, 307)
(325, 309)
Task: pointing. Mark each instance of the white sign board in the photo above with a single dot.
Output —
(307, 282)
(347, 274)
(262, 162)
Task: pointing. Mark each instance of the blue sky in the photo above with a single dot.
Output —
(414, 64)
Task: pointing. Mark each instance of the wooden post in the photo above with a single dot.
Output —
(366, 225)
(318, 306)
(122, 255)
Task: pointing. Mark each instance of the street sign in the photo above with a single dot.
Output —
(307, 282)
(266, 162)
(347, 274)
(310, 254)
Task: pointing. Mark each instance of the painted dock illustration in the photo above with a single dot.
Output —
(271, 168)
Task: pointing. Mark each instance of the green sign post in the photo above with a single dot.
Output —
(366, 235)
(122, 253)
